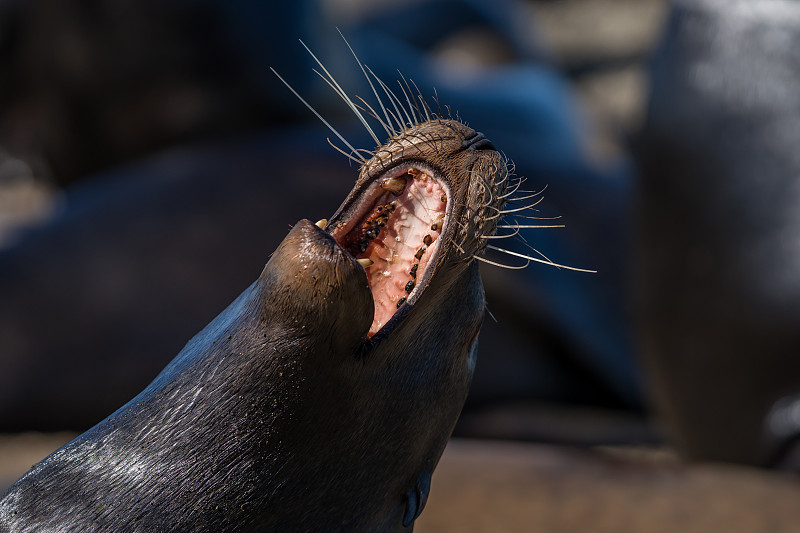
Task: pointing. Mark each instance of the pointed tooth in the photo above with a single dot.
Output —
(322, 224)
(394, 185)
(365, 262)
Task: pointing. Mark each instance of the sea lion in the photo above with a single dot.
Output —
(322, 398)
(719, 284)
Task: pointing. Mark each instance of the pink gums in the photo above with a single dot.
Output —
(393, 251)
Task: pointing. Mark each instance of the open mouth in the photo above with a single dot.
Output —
(394, 229)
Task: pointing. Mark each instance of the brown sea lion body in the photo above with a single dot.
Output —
(318, 400)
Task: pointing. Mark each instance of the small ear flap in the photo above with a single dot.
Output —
(417, 497)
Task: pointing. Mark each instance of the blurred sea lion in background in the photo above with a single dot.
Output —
(719, 231)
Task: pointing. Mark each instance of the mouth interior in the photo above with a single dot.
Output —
(399, 233)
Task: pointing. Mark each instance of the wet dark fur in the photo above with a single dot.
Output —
(279, 415)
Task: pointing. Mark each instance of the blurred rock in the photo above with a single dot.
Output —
(494, 486)
(488, 487)
(19, 452)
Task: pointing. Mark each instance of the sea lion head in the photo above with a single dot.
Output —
(429, 197)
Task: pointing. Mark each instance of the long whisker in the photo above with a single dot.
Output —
(486, 307)
(497, 214)
(537, 260)
(512, 190)
(415, 110)
(355, 107)
(496, 236)
(537, 218)
(422, 99)
(396, 119)
(374, 114)
(357, 161)
(410, 105)
(523, 208)
(517, 226)
(438, 103)
(521, 198)
(485, 185)
(344, 96)
(524, 241)
(390, 131)
(514, 187)
(339, 135)
(540, 191)
(501, 265)
(392, 98)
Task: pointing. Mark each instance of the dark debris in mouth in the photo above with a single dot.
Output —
(396, 237)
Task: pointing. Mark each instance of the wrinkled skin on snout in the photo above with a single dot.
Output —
(281, 415)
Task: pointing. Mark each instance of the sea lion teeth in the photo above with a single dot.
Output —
(427, 240)
(437, 224)
(401, 301)
(413, 271)
(322, 223)
(365, 262)
(394, 185)
(420, 252)
(409, 286)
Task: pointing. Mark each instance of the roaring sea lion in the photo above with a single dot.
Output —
(322, 398)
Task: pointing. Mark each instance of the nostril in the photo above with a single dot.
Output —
(484, 144)
(477, 141)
